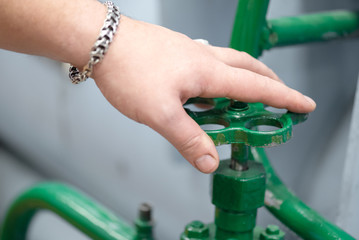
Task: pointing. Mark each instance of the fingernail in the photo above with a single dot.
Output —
(311, 101)
(206, 164)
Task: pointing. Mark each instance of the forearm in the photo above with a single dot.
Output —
(59, 29)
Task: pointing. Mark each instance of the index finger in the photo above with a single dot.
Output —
(247, 86)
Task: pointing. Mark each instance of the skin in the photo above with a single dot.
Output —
(149, 71)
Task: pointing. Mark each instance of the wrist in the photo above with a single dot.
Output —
(118, 50)
(101, 46)
(86, 27)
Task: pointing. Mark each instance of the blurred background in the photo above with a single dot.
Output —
(53, 130)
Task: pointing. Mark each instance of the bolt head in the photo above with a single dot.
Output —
(197, 229)
(272, 232)
(145, 212)
(238, 191)
(272, 229)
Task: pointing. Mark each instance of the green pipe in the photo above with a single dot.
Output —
(310, 28)
(89, 217)
(248, 25)
(252, 36)
(292, 211)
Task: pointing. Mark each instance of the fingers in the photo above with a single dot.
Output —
(243, 60)
(247, 86)
(244, 78)
(188, 138)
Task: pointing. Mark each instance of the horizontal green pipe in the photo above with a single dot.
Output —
(291, 211)
(310, 28)
(80, 211)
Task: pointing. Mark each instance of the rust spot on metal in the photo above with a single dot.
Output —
(277, 139)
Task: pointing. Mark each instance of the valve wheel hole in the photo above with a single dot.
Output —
(264, 125)
(198, 107)
(212, 126)
(275, 110)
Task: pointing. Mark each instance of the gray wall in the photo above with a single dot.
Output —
(72, 134)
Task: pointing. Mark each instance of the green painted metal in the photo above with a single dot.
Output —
(310, 28)
(239, 184)
(82, 212)
(280, 32)
(237, 194)
(239, 156)
(238, 190)
(248, 25)
(144, 229)
(257, 232)
(196, 230)
(144, 223)
(294, 213)
(272, 232)
(235, 222)
(240, 124)
(234, 225)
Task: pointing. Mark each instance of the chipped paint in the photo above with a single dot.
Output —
(271, 201)
(277, 139)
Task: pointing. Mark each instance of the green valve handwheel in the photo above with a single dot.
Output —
(242, 122)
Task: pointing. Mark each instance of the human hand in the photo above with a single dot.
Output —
(149, 72)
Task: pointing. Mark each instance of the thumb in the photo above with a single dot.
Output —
(189, 139)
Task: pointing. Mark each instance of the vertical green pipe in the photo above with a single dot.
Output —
(246, 34)
(237, 195)
(248, 26)
(83, 213)
(235, 225)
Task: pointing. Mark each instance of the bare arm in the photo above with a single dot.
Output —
(62, 30)
(149, 71)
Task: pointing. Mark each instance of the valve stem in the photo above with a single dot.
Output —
(236, 165)
(239, 157)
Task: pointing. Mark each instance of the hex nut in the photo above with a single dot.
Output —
(197, 230)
